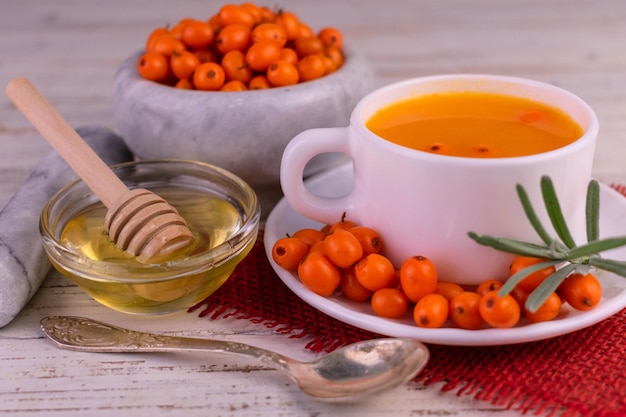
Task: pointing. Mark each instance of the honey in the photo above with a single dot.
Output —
(127, 285)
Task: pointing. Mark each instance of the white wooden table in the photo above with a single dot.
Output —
(70, 49)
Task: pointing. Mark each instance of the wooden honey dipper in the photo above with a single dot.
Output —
(138, 221)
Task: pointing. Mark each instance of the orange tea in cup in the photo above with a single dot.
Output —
(475, 124)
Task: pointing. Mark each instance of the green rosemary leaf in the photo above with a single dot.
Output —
(595, 247)
(617, 267)
(515, 246)
(547, 287)
(516, 278)
(554, 211)
(532, 215)
(593, 211)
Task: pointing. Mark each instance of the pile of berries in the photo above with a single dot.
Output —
(347, 259)
(241, 47)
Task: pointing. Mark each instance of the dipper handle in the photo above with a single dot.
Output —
(74, 150)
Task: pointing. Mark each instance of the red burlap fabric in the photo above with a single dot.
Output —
(578, 374)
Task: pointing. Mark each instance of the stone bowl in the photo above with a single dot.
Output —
(242, 132)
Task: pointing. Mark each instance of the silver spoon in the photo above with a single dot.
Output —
(356, 370)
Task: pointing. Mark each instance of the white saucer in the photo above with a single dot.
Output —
(283, 219)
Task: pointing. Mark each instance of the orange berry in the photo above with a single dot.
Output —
(418, 277)
(582, 292)
(282, 74)
(287, 252)
(153, 66)
(464, 310)
(533, 280)
(501, 312)
(262, 54)
(197, 34)
(311, 67)
(431, 311)
(374, 271)
(343, 248)
(448, 289)
(209, 76)
(319, 274)
(547, 311)
(390, 303)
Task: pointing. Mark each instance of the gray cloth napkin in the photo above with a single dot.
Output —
(23, 262)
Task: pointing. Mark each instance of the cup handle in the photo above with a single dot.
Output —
(300, 150)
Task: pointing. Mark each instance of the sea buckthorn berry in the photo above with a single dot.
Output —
(311, 67)
(582, 292)
(329, 64)
(233, 37)
(153, 66)
(547, 311)
(290, 24)
(374, 271)
(343, 248)
(390, 303)
(331, 37)
(318, 247)
(235, 67)
(418, 277)
(308, 46)
(352, 288)
(259, 82)
(287, 252)
(309, 235)
(262, 54)
(326, 229)
(183, 64)
(500, 312)
(282, 74)
(209, 76)
(342, 223)
(370, 239)
(254, 10)
(197, 34)
(304, 31)
(533, 280)
(269, 32)
(289, 55)
(153, 35)
(520, 295)
(319, 274)
(448, 289)
(206, 55)
(184, 84)
(267, 14)
(336, 55)
(177, 30)
(431, 311)
(165, 43)
(488, 285)
(232, 14)
(464, 311)
(214, 22)
(234, 86)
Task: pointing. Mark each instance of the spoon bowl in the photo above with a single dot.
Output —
(352, 372)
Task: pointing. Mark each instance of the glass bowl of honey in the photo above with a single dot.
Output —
(220, 208)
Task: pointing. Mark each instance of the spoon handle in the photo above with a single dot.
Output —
(83, 334)
(74, 150)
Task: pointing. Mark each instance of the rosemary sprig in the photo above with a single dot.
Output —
(560, 251)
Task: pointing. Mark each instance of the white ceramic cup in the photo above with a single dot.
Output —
(425, 204)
